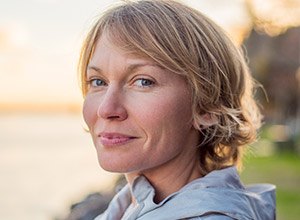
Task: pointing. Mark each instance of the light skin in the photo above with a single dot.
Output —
(140, 119)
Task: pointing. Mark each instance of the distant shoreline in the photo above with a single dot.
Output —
(73, 108)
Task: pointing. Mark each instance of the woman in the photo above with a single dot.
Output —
(168, 102)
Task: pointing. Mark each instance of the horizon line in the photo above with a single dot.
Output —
(35, 107)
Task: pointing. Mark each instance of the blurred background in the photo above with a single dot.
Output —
(47, 160)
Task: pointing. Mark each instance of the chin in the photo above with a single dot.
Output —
(116, 166)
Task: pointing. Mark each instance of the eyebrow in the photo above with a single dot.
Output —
(130, 68)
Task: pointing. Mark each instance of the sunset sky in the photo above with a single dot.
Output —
(40, 41)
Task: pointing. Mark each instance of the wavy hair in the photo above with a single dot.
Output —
(186, 42)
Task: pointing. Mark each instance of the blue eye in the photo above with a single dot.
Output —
(97, 82)
(144, 82)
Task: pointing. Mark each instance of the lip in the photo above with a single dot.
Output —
(114, 139)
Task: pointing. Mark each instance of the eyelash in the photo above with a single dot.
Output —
(91, 82)
(139, 82)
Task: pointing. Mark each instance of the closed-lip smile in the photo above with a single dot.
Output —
(114, 139)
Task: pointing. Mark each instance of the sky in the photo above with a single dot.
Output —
(40, 42)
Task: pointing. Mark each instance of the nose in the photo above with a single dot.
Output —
(111, 106)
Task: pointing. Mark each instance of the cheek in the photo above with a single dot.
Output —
(177, 109)
(89, 111)
(178, 118)
(169, 117)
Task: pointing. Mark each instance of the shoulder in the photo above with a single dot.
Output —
(212, 217)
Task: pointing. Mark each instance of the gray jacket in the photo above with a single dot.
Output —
(219, 195)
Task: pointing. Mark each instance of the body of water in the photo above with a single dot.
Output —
(47, 162)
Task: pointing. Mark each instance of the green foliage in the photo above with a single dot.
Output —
(282, 170)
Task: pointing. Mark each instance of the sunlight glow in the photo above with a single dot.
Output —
(40, 41)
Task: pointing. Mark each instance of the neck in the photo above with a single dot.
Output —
(172, 176)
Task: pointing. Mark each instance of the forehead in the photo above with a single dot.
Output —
(114, 38)
(106, 49)
(119, 48)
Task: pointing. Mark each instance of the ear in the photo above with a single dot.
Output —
(205, 120)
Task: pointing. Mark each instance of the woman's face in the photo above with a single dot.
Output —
(139, 114)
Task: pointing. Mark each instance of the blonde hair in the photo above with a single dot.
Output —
(186, 42)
